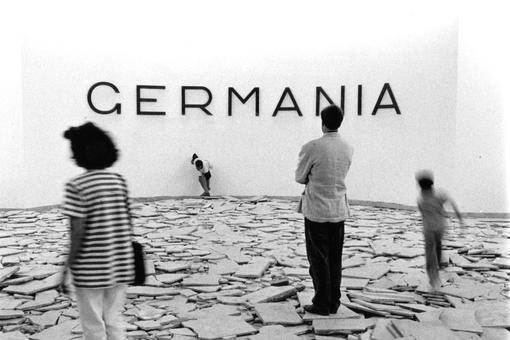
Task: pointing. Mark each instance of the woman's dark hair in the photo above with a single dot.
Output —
(92, 148)
(332, 117)
(195, 156)
(199, 164)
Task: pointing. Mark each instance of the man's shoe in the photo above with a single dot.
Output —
(314, 310)
(334, 309)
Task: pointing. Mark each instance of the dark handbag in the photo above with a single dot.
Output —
(139, 264)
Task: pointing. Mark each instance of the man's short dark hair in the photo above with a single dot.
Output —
(199, 164)
(92, 148)
(332, 117)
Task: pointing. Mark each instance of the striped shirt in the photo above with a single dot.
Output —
(105, 256)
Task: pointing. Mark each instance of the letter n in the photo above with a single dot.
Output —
(320, 92)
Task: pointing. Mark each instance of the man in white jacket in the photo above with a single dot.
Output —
(322, 167)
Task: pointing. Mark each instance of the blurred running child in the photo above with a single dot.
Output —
(431, 206)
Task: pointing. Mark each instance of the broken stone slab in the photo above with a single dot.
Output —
(421, 330)
(467, 290)
(182, 333)
(16, 281)
(45, 320)
(231, 300)
(153, 282)
(417, 307)
(201, 280)
(198, 252)
(480, 265)
(371, 271)
(217, 309)
(171, 267)
(274, 332)
(7, 272)
(385, 298)
(233, 253)
(277, 313)
(458, 319)
(12, 322)
(342, 313)
(353, 283)
(391, 309)
(147, 312)
(35, 304)
(364, 309)
(300, 272)
(224, 267)
(492, 313)
(353, 261)
(381, 331)
(39, 271)
(458, 260)
(305, 297)
(170, 278)
(35, 286)
(493, 333)
(16, 335)
(341, 326)
(213, 328)
(62, 331)
(502, 262)
(270, 294)
(282, 281)
(254, 269)
(204, 289)
(148, 325)
(9, 302)
(10, 314)
(150, 291)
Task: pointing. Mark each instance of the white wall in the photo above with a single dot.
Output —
(224, 44)
(482, 150)
(11, 121)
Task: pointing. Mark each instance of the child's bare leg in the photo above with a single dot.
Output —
(431, 261)
(208, 186)
(438, 239)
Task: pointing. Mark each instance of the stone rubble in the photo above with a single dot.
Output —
(229, 268)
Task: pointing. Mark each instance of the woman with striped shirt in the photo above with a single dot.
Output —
(101, 253)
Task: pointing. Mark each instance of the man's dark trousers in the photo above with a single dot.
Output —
(324, 243)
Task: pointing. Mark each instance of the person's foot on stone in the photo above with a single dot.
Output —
(205, 194)
(314, 310)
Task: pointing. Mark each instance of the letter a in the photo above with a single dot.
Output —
(393, 104)
(294, 106)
